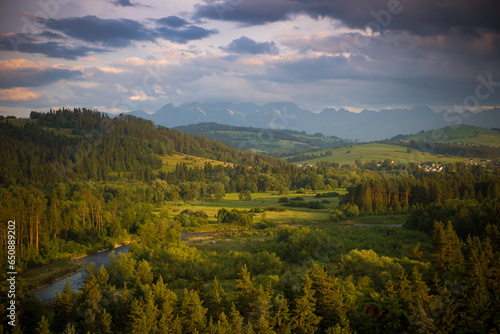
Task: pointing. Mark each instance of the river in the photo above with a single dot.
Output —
(48, 293)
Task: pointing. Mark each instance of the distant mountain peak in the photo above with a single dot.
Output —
(367, 125)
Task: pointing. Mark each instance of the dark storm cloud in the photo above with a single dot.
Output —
(117, 33)
(424, 17)
(172, 21)
(185, 34)
(31, 77)
(123, 3)
(246, 45)
(51, 35)
(29, 44)
(109, 33)
(120, 33)
(253, 12)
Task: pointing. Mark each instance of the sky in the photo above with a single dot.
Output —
(124, 55)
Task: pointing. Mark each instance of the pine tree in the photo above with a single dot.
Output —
(69, 329)
(64, 306)
(447, 252)
(103, 322)
(236, 320)
(192, 313)
(43, 326)
(217, 301)
(223, 325)
(476, 291)
(305, 320)
(330, 298)
(262, 312)
(281, 321)
(245, 293)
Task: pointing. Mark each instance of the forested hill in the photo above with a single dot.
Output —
(77, 180)
(66, 145)
(274, 142)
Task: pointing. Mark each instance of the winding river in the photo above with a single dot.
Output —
(48, 293)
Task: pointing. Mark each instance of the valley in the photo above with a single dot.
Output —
(352, 228)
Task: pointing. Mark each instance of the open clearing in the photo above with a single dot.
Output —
(379, 152)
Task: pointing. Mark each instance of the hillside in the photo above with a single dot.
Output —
(277, 143)
(461, 141)
(372, 152)
(458, 135)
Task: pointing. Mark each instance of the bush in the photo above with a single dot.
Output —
(274, 208)
(237, 217)
(283, 200)
(245, 195)
(329, 194)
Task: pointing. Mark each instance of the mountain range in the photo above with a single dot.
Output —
(367, 125)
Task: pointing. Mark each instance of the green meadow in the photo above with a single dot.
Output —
(378, 152)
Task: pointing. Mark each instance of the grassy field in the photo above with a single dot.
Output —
(261, 201)
(294, 216)
(379, 152)
(460, 135)
(170, 161)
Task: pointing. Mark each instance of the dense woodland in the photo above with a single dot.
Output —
(274, 142)
(76, 180)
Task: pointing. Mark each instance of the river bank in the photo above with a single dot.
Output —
(45, 281)
(51, 273)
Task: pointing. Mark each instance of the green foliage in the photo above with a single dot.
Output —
(192, 313)
(245, 293)
(235, 217)
(245, 195)
(366, 263)
(43, 326)
(305, 320)
(385, 314)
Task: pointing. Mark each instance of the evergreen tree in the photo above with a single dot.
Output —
(446, 245)
(330, 298)
(262, 313)
(245, 293)
(192, 313)
(236, 320)
(218, 302)
(69, 329)
(305, 320)
(64, 306)
(282, 318)
(43, 326)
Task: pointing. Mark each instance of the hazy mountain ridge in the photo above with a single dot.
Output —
(367, 125)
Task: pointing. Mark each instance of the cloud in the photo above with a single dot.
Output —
(255, 12)
(246, 45)
(124, 3)
(25, 73)
(18, 94)
(172, 21)
(29, 44)
(310, 69)
(185, 34)
(116, 33)
(425, 17)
